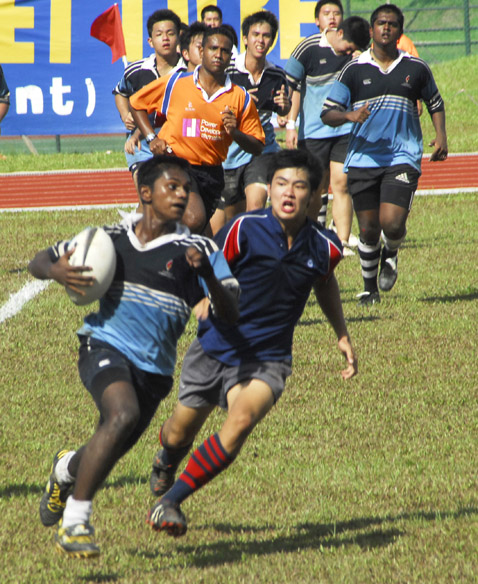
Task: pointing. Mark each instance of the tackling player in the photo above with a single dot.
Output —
(278, 255)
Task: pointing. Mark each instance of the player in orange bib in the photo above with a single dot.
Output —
(204, 113)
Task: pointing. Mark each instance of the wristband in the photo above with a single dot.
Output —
(150, 137)
(290, 125)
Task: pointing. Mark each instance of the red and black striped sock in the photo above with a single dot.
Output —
(205, 463)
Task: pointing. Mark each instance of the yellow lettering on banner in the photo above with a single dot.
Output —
(13, 18)
(292, 13)
(180, 7)
(133, 28)
(60, 31)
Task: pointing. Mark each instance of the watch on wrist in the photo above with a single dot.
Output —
(150, 137)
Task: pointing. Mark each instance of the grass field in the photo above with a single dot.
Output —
(370, 481)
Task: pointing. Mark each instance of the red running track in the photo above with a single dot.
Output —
(115, 187)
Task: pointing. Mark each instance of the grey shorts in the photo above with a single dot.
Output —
(205, 381)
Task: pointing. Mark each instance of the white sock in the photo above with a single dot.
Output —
(76, 512)
(62, 475)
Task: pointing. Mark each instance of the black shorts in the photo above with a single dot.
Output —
(327, 150)
(369, 187)
(100, 365)
(210, 184)
(237, 179)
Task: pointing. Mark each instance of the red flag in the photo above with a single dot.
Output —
(107, 28)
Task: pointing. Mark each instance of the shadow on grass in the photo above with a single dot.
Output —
(23, 489)
(93, 578)
(468, 295)
(365, 318)
(306, 536)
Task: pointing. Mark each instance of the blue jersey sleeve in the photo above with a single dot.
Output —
(338, 98)
(221, 271)
(295, 72)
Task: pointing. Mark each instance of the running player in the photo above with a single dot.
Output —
(378, 93)
(312, 68)
(128, 347)
(245, 176)
(204, 114)
(163, 36)
(278, 255)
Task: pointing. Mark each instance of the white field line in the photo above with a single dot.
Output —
(18, 300)
(69, 207)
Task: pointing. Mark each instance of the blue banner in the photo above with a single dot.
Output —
(61, 79)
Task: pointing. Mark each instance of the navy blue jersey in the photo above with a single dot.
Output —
(312, 68)
(147, 306)
(392, 134)
(270, 82)
(275, 284)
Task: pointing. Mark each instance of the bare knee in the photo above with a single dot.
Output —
(121, 423)
(242, 423)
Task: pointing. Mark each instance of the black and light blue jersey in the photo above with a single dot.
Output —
(137, 75)
(275, 284)
(270, 82)
(147, 306)
(313, 68)
(391, 134)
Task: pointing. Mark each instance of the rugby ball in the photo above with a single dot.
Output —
(93, 248)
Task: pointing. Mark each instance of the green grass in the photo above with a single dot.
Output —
(369, 481)
(428, 22)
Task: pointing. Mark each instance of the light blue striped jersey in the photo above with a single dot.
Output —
(392, 134)
(145, 310)
(312, 68)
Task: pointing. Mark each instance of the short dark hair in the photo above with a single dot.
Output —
(321, 3)
(221, 30)
(258, 18)
(296, 159)
(388, 8)
(231, 29)
(193, 30)
(211, 8)
(161, 15)
(356, 30)
(153, 168)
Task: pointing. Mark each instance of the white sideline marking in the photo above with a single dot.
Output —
(18, 300)
(69, 207)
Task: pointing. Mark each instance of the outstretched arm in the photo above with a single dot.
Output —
(328, 297)
(223, 300)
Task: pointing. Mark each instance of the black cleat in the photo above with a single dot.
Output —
(54, 498)
(388, 273)
(166, 516)
(162, 476)
(368, 298)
